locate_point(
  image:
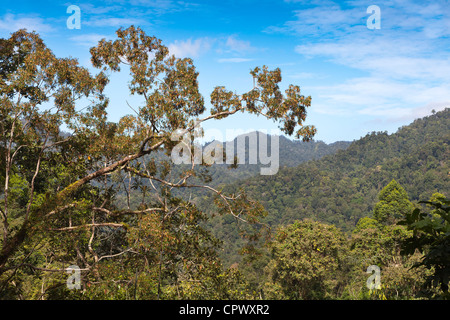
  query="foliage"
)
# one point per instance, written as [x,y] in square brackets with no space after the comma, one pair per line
[373,243]
[393,203]
[95,197]
[306,261]
[105,196]
[431,235]
[342,188]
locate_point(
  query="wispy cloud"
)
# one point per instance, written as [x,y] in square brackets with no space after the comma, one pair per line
[390,56]
[114,22]
[156,7]
[88,39]
[190,48]
[238,46]
[381,98]
[332,19]
[406,63]
[89,8]
[322,21]
[234,60]
[122,13]
[406,114]
[11,23]
[305,75]
[235,49]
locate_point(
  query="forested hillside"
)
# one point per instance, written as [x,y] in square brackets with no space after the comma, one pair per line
[342,188]
[291,153]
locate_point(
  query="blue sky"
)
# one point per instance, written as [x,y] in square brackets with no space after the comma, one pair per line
[360,79]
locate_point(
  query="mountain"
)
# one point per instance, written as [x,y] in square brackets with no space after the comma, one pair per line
[291,153]
[343,187]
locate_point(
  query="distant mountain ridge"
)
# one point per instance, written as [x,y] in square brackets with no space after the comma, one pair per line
[343,187]
[417,156]
[291,153]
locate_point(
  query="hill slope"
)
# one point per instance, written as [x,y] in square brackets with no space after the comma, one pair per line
[343,187]
[291,154]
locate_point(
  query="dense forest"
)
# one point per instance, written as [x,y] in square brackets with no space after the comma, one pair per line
[101,212]
[342,188]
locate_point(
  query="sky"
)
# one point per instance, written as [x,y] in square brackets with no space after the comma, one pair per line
[368,65]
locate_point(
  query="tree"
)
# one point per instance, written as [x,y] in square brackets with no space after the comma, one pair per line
[70,213]
[393,203]
[34,153]
[306,263]
[373,243]
[431,236]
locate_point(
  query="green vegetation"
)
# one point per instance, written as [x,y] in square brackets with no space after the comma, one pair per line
[342,188]
[431,236]
[106,198]
[306,262]
[393,203]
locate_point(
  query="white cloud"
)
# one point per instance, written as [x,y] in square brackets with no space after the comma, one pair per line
[234,60]
[305,75]
[381,98]
[406,114]
[91,9]
[405,64]
[229,45]
[157,7]
[331,19]
[393,58]
[240,46]
[323,21]
[190,48]
[88,39]
[12,23]
[114,22]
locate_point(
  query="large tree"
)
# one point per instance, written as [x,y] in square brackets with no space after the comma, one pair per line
[59,196]
[393,203]
[375,244]
[307,261]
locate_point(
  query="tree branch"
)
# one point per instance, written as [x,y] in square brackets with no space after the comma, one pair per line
[124,212]
[74,186]
[105,224]
[184,185]
[117,254]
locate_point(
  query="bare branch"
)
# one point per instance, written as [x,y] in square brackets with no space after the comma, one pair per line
[184,185]
[116,165]
[59,209]
[56,143]
[117,254]
[131,108]
[124,212]
[38,164]
[90,225]
[41,269]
